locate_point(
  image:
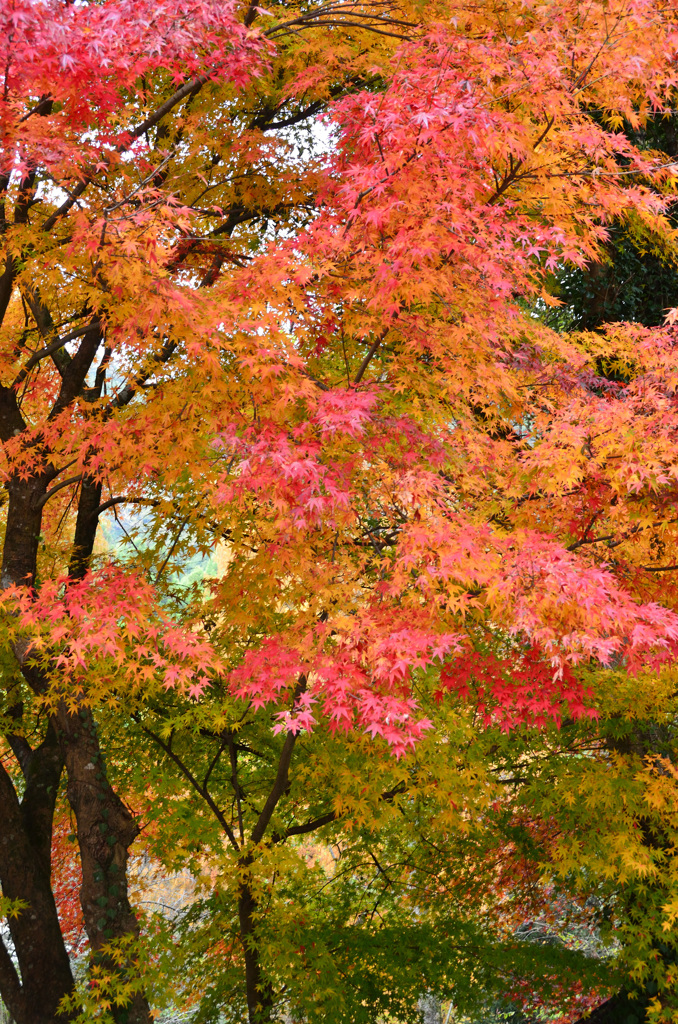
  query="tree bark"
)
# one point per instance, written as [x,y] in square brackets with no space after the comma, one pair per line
[106,829]
[32,995]
[258,990]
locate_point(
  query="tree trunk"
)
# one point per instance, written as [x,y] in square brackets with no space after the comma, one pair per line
[259,992]
[25,845]
[106,829]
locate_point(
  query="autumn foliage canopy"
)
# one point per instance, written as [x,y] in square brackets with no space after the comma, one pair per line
[273,302]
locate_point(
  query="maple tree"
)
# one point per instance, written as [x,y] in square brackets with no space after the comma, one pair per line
[313,348]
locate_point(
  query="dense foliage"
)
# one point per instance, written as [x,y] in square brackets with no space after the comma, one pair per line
[377,650]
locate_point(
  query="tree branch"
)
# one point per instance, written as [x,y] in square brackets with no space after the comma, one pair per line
[281,778]
[121,500]
[309,826]
[277,790]
[233,753]
[125,396]
[177,97]
[57,487]
[368,358]
[327,819]
[186,772]
[48,350]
